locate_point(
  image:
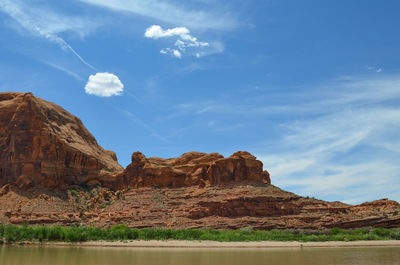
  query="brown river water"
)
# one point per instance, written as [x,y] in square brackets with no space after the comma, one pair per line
[35,255]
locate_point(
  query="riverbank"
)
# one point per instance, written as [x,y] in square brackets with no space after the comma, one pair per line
[215,244]
[121,233]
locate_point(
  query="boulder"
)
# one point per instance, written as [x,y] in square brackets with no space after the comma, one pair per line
[5,189]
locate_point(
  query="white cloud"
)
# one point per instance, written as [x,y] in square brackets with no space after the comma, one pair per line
[156,32]
[185,39]
[346,151]
[321,99]
[104,85]
[46,23]
[183,42]
[172,52]
[177,54]
[212,18]
[336,141]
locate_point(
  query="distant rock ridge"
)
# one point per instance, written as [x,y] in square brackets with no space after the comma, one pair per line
[190,169]
[41,144]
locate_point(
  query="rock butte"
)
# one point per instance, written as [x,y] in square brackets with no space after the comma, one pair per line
[190,169]
[52,171]
[42,144]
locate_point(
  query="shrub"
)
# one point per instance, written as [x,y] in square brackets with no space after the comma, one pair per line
[55,233]
[246,230]
[336,231]
[13,233]
[382,232]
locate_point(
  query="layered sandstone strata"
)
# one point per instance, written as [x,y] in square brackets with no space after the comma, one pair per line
[44,147]
[228,206]
[42,144]
[190,169]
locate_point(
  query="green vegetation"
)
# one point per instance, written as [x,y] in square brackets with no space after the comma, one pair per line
[14,233]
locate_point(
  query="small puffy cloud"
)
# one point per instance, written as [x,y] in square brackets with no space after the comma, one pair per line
[104,85]
[156,32]
[172,52]
[184,41]
[177,54]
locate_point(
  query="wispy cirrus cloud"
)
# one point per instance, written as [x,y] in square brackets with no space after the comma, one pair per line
[337,140]
[174,13]
[64,70]
[342,147]
[374,68]
[333,154]
[41,21]
[134,118]
[184,41]
[331,96]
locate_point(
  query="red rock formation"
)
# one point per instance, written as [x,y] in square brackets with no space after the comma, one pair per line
[42,144]
[228,206]
[190,169]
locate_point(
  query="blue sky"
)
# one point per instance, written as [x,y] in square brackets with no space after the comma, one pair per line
[312,88]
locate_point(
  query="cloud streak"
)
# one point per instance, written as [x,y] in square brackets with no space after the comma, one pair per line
[345,151]
[62,69]
[169,12]
[139,122]
[46,23]
[320,99]
[336,140]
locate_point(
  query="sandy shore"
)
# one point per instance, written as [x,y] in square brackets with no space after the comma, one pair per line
[214,244]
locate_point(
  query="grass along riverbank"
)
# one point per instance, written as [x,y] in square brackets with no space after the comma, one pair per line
[14,233]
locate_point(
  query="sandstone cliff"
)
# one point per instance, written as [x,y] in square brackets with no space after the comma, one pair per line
[52,171]
[42,144]
[228,206]
[190,169]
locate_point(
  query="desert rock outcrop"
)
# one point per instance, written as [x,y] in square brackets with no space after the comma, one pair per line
[72,180]
[190,169]
[42,144]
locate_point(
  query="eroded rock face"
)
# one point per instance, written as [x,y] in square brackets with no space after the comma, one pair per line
[190,169]
[44,147]
[227,206]
[42,144]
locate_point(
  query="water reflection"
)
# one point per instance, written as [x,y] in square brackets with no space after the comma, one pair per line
[21,255]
